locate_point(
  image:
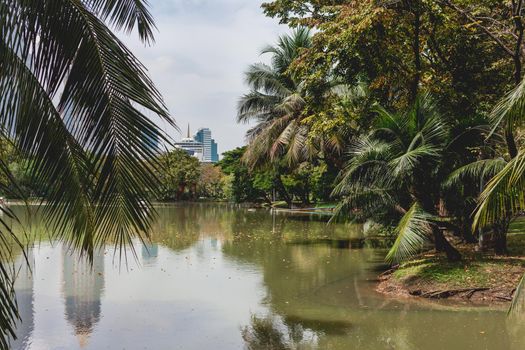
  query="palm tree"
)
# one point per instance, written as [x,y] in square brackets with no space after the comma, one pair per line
[394,172]
[275,103]
[504,195]
[73,101]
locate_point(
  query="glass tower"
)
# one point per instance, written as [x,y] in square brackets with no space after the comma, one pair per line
[203,136]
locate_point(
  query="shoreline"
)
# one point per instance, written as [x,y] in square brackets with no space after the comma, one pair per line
[485,281]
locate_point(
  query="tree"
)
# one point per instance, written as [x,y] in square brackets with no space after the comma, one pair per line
[242,188]
[210,181]
[395,171]
[276,102]
[73,102]
[181,172]
[402,47]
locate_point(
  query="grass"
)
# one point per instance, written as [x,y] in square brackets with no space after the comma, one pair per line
[475,270]
[482,273]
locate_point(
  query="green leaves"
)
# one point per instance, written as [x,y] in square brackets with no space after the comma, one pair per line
[74,102]
[510,109]
[412,232]
[504,195]
[276,102]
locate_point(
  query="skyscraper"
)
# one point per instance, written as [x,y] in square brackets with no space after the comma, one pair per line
[203,136]
[201,146]
[214,151]
[191,146]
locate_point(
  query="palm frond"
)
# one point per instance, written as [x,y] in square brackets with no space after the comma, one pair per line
[518,299]
[510,109]
[406,162]
[412,233]
[256,106]
[261,77]
[504,195]
[126,15]
[480,170]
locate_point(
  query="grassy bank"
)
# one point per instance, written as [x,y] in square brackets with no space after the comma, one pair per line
[479,277]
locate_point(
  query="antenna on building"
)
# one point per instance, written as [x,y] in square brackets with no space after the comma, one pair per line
[188,130]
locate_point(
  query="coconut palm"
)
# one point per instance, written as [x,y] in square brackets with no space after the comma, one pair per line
[275,103]
[504,194]
[73,101]
[394,172]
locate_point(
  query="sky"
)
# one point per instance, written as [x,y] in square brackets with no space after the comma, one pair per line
[201,49]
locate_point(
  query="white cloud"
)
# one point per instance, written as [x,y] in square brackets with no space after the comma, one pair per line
[202,47]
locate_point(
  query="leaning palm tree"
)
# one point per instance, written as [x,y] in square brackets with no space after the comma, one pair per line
[73,100]
[275,103]
[393,172]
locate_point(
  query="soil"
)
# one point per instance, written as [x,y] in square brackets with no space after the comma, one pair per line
[477,279]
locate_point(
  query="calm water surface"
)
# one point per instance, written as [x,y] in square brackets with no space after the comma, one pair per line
[219,277]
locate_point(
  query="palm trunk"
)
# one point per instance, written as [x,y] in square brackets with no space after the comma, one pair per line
[500,238]
[282,190]
[443,245]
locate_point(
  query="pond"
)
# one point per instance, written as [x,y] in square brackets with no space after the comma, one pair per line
[221,277]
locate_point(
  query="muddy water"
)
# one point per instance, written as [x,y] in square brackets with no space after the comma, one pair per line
[220,277]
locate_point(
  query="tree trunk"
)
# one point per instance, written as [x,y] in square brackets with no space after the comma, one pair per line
[500,245]
[443,245]
[500,238]
[282,190]
[416,50]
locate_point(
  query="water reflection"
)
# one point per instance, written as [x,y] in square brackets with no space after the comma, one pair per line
[219,277]
[24,285]
[83,288]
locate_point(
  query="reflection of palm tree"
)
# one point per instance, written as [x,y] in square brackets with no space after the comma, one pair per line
[83,286]
[268,333]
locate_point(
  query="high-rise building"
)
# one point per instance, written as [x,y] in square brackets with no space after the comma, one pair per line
[214,151]
[203,136]
[201,146]
[191,146]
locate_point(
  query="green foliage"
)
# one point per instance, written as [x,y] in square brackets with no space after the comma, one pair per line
[74,104]
[241,187]
[181,175]
[211,180]
[413,231]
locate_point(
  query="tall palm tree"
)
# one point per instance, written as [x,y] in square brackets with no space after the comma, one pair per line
[275,103]
[394,171]
[73,100]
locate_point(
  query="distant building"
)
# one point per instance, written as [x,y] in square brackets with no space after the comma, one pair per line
[214,151]
[191,146]
[203,136]
[201,146]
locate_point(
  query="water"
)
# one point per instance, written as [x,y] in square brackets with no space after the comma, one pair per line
[216,277]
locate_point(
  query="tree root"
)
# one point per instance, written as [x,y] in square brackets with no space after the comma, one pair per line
[442,294]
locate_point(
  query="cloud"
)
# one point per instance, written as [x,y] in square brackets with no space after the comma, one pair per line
[201,49]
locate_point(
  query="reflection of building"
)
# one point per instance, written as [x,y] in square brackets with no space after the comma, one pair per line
[83,286]
[150,252]
[24,299]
